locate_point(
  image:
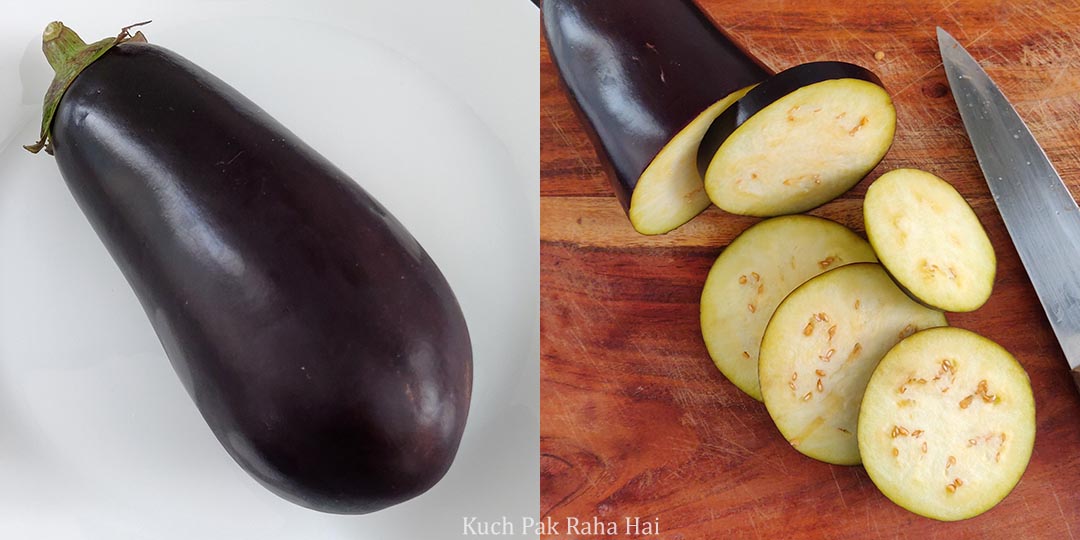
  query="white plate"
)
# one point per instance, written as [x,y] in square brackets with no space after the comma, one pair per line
[431,105]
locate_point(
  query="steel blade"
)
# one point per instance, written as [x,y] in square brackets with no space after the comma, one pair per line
[1039,212]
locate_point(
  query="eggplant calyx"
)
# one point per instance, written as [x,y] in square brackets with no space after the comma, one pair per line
[69,55]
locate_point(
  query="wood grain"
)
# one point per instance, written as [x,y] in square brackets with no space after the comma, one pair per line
[635,419]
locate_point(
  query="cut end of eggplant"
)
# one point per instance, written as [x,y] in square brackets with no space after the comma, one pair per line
[798,140]
[947,424]
[671,191]
[755,273]
[820,348]
[645,78]
[930,240]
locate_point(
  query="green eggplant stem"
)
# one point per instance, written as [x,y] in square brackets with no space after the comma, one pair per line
[69,55]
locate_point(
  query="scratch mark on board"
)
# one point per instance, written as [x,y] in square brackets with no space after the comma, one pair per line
[832,471]
[566,141]
[852,35]
[980,36]
[916,80]
[1061,511]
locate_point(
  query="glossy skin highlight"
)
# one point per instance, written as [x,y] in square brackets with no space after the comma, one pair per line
[318,339]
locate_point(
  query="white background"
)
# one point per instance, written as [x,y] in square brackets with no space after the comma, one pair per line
[432,105]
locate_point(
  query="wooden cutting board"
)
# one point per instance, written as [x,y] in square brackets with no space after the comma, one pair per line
[636,421]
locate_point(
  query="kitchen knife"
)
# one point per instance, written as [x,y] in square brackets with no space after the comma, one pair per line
[1041,216]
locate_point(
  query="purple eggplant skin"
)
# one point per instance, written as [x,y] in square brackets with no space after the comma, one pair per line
[638,71]
[767,93]
[318,339]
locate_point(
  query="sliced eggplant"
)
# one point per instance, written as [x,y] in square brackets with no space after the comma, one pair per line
[647,78]
[819,349]
[754,274]
[930,240]
[947,424]
[797,140]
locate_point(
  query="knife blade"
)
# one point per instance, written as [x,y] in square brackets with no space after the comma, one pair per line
[1039,212]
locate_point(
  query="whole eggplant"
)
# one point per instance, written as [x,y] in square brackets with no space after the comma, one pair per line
[318,339]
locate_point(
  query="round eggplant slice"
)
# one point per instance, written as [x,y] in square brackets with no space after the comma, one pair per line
[644,76]
[754,274]
[820,348]
[930,240]
[947,424]
[797,140]
[670,191]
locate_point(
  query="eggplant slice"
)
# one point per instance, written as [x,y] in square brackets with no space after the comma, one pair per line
[797,140]
[947,424]
[646,79]
[819,349]
[754,274]
[930,240]
[670,192]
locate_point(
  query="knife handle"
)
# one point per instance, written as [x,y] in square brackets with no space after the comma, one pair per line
[1076,376]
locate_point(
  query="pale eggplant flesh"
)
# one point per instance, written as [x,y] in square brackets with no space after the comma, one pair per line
[930,240]
[947,424]
[755,273]
[797,140]
[821,347]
